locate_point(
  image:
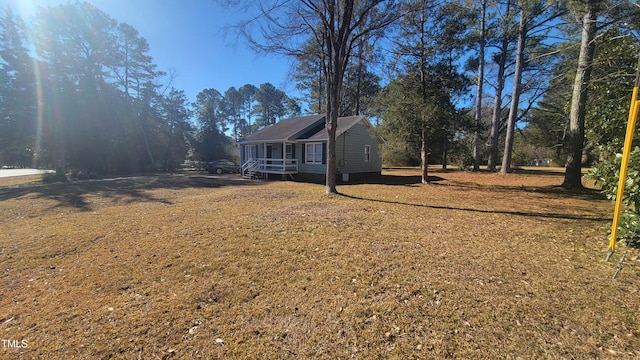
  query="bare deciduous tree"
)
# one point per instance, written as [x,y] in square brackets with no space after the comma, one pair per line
[337,26]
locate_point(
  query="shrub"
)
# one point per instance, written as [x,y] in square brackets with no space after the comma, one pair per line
[394,154]
[53,177]
[606,173]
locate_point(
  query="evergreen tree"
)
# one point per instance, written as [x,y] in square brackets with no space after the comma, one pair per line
[505,31]
[430,38]
[418,117]
[595,17]
[75,41]
[536,20]
[361,86]
[18,100]
[209,111]
[271,104]
[176,113]
[310,77]
[247,94]
[232,111]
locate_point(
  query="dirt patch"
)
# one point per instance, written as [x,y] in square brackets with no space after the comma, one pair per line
[470,266]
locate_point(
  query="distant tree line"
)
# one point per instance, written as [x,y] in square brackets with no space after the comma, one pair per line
[552,79]
[223,119]
[467,82]
[89,99]
[79,91]
[495,82]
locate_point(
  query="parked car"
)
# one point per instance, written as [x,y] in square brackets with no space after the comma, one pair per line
[222,166]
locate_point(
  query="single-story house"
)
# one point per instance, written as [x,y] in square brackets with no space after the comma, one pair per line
[296,148]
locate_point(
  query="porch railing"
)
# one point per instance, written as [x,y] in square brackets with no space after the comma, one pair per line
[274,166]
[250,167]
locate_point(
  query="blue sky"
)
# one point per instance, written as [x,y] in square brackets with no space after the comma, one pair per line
[188,37]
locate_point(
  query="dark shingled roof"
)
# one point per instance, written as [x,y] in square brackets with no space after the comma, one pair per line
[344,124]
[310,128]
[284,130]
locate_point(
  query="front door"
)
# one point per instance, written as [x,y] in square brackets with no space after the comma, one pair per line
[269,153]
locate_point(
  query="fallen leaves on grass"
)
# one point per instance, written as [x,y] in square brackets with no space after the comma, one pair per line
[470,266]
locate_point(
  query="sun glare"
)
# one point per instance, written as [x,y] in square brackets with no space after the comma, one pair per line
[25,10]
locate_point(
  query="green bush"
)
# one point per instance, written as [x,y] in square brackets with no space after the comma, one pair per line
[606,173]
[399,155]
[53,177]
[464,162]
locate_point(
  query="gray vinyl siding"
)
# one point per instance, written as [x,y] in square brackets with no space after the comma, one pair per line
[260,152]
[350,151]
[308,168]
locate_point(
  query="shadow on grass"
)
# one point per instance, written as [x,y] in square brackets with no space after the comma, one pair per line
[123,189]
[538,171]
[393,180]
[558,190]
[555,190]
[505,212]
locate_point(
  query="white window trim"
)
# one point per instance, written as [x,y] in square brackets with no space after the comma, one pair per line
[250,152]
[288,149]
[313,158]
[367,153]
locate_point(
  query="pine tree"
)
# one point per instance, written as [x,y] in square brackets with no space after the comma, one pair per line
[18,106]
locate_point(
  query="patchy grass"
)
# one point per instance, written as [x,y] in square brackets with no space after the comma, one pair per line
[20,180]
[470,266]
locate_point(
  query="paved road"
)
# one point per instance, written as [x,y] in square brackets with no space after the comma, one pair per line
[21,172]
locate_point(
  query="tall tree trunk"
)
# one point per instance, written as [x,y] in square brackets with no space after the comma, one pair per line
[139,116]
[60,159]
[321,86]
[168,150]
[331,121]
[59,115]
[575,138]
[359,75]
[497,104]
[146,141]
[424,153]
[331,125]
[445,154]
[478,117]
[337,34]
[424,148]
[515,98]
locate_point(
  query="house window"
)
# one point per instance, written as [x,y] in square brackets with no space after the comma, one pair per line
[250,152]
[314,153]
[367,153]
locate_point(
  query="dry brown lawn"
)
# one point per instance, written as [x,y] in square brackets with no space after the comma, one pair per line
[471,266]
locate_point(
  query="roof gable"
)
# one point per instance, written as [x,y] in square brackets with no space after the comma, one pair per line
[309,128]
[344,124]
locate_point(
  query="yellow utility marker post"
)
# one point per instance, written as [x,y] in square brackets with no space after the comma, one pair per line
[626,151]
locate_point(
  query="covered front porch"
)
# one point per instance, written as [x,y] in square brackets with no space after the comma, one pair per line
[260,160]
